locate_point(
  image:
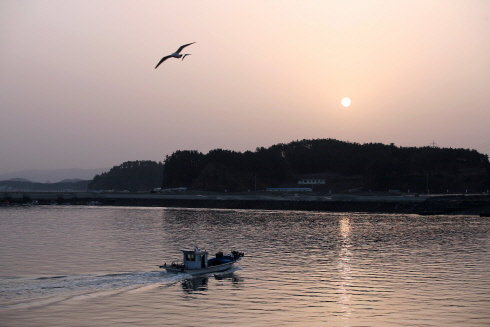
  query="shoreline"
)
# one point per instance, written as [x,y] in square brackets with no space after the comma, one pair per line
[403,204]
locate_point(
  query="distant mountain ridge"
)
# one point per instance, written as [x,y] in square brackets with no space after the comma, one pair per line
[18,180]
[14,185]
[54,175]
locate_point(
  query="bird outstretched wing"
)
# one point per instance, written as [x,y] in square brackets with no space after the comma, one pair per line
[187,54]
[162,60]
[175,54]
[182,47]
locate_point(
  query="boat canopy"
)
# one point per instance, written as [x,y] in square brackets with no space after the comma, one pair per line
[195,259]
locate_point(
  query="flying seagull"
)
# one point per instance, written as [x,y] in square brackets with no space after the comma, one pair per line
[176,54]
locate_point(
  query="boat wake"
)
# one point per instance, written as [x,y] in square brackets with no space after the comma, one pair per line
[20,292]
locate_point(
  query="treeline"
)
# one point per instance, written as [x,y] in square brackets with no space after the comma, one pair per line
[376,166]
[131,176]
[344,165]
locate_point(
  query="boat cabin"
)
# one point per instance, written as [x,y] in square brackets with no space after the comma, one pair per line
[195,259]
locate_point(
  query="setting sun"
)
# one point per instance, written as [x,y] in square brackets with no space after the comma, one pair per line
[346,102]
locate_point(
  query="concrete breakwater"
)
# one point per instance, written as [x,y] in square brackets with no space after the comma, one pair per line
[328,203]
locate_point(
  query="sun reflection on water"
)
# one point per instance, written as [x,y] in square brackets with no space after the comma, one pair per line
[344,268]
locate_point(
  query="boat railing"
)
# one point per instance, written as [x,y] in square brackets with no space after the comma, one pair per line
[173,265]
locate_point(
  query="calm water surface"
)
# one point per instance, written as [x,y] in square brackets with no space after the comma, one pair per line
[96,266]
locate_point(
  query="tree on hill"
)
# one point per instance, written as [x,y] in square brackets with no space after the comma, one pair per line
[221,170]
[182,168]
[131,175]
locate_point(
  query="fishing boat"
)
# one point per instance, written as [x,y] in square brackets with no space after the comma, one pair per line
[197,262]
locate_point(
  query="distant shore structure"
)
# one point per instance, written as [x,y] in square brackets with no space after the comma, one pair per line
[312,181]
[289,189]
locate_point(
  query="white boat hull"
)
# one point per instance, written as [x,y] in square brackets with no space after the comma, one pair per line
[200,271]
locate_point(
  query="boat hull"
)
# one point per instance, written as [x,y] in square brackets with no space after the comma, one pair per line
[200,271]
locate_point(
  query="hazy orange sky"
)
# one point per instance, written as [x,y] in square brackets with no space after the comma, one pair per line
[78,86]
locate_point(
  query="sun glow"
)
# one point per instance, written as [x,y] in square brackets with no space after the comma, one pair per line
[346,102]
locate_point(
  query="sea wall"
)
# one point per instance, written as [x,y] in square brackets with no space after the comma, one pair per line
[335,203]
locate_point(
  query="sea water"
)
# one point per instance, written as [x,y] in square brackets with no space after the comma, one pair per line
[97,266]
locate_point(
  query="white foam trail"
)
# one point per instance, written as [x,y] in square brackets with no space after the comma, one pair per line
[42,291]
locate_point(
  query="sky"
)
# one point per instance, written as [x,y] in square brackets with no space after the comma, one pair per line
[78,88]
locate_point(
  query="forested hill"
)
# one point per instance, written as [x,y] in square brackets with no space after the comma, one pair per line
[344,165]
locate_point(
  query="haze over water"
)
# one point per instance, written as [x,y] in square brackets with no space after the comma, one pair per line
[96,266]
